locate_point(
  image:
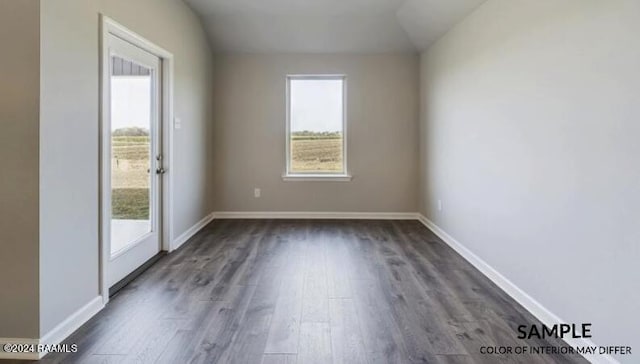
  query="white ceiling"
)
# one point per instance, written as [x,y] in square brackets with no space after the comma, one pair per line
[328,26]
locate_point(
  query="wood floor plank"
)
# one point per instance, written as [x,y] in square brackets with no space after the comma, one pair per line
[455,359]
[252,334]
[105,359]
[338,260]
[178,348]
[150,344]
[284,329]
[347,344]
[475,335]
[216,338]
[279,359]
[408,305]
[122,340]
[382,334]
[243,251]
[315,343]
[315,294]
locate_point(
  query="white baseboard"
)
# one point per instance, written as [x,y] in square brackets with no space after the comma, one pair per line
[73,322]
[177,242]
[316,215]
[536,308]
[58,334]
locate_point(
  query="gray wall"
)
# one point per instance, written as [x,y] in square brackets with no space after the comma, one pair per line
[249,137]
[19,89]
[529,132]
[69,136]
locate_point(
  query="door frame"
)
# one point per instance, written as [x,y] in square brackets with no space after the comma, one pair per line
[110,27]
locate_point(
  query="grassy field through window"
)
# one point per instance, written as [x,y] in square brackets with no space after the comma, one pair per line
[130,176]
[316,152]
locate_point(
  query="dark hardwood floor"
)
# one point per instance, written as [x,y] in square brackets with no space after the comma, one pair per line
[285,291]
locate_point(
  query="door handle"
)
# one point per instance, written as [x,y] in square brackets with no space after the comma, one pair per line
[161,170]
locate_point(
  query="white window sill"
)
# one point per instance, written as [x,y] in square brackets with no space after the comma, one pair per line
[317,178]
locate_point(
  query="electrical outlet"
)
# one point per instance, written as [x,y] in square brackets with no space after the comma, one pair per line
[177,123]
[257,193]
[439,205]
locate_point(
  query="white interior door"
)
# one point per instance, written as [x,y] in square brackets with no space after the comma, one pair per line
[132,158]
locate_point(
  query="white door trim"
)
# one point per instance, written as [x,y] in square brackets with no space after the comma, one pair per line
[110,27]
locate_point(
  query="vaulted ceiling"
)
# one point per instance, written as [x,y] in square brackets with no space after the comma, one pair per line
[328,26]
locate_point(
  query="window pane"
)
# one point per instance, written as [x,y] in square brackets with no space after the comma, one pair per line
[316,115]
[131,95]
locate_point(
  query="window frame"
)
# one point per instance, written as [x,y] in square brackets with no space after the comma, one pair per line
[342,176]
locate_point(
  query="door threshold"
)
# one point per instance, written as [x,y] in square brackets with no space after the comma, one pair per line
[113,290]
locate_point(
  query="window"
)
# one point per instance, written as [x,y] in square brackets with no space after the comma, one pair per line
[316,127]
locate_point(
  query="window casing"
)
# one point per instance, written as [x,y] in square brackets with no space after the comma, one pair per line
[316,128]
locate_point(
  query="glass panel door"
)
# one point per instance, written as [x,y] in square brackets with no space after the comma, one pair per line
[131,155]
